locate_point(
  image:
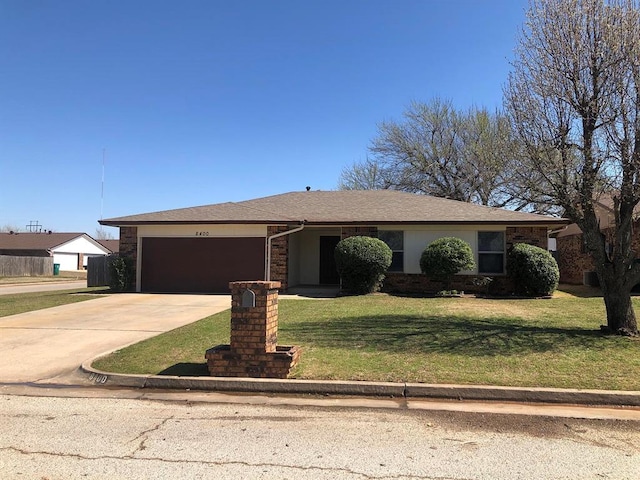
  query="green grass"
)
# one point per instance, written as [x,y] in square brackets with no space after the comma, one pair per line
[65,275]
[547,343]
[25,302]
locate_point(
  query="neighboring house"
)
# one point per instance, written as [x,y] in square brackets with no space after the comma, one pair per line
[112,245]
[291,238]
[69,250]
[576,264]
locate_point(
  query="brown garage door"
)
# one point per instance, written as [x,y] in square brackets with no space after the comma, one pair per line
[200,264]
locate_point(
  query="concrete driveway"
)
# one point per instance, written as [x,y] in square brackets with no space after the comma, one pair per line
[46,344]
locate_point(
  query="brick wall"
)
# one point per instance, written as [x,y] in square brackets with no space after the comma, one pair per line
[365,231]
[532,235]
[279,255]
[129,242]
[419,283]
[573,259]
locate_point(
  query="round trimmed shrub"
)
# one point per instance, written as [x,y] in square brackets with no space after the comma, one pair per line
[534,271]
[362,263]
[445,257]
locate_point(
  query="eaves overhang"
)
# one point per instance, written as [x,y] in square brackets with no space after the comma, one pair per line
[324,223]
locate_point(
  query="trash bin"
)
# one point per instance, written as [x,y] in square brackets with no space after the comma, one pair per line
[56,269]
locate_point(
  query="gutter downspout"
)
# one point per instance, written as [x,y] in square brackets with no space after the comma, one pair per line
[267,269]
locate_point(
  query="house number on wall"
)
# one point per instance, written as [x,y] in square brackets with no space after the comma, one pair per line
[202,234]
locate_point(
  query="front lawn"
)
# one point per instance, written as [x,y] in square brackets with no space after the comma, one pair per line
[546,343]
[65,275]
[13,304]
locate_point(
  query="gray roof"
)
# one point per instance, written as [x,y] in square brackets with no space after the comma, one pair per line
[344,207]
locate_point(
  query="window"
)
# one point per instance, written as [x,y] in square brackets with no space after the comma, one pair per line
[395,240]
[490,253]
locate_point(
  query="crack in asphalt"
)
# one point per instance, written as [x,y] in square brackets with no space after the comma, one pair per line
[223,463]
[141,446]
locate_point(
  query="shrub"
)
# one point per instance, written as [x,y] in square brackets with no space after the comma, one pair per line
[533,270]
[361,263]
[121,274]
[445,257]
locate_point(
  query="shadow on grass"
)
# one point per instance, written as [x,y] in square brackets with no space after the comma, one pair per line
[186,370]
[439,334]
[581,291]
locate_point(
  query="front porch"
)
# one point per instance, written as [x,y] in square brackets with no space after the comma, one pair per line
[306,258]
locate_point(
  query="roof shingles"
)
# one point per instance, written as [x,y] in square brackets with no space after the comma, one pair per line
[35,241]
[340,207]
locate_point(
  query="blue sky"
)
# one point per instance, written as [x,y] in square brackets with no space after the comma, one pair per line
[199,102]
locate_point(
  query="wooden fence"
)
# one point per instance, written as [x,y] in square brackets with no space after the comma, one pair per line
[12,266]
[98,271]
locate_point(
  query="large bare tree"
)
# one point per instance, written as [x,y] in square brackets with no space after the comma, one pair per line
[574,98]
[439,150]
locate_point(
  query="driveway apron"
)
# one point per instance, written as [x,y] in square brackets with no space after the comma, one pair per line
[45,344]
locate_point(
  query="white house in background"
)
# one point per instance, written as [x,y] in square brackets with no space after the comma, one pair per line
[70,250]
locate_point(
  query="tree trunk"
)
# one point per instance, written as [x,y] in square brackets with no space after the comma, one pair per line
[621,318]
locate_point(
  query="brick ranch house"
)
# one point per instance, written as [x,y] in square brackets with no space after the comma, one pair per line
[291,238]
[576,265]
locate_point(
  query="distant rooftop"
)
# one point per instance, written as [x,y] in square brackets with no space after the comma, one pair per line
[112,245]
[35,241]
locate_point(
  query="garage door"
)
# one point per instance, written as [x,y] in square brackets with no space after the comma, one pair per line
[67,261]
[200,264]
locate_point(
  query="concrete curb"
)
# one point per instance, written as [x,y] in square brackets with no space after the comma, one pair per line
[524,394]
[367,389]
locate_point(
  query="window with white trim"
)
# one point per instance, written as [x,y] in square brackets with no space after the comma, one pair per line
[491,253]
[395,240]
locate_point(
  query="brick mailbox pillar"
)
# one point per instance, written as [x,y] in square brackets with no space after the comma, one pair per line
[253,351]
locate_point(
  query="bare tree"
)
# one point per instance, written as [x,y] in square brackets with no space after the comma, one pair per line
[489,152]
[574,99]
[103,234]
[9,228]
[365,175]
[438,150]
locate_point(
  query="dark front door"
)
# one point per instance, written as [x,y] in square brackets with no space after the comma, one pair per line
[328,272]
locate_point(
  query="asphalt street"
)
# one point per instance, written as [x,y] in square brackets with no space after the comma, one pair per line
[41,287]
[100,438]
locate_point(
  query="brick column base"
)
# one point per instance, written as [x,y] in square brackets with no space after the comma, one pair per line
[253,351]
